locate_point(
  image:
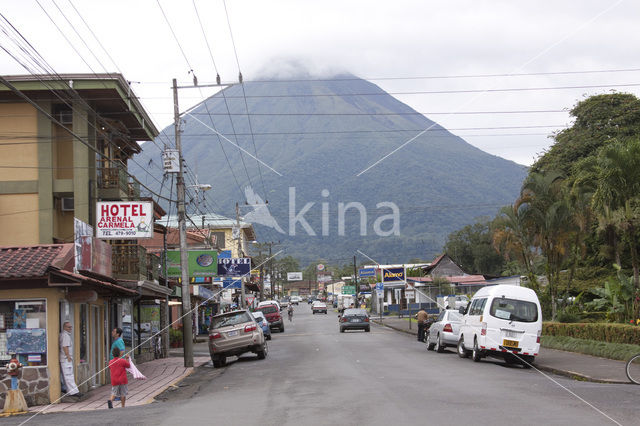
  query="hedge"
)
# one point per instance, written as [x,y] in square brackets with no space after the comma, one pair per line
[602,332]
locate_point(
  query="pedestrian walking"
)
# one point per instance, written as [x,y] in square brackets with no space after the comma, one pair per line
[116,333]
[66,359]
[119,382]
[422,316]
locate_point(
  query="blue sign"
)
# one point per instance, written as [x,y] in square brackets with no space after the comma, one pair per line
[224,254]
[367,272]
[205,293]
[379,286]
[392,274]
[234,267]
[231,283]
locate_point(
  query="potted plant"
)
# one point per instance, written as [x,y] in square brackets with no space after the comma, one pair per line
[175,338]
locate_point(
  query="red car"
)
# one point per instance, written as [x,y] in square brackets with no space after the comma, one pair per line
[272,313]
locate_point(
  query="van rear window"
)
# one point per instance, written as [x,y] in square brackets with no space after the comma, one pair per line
[514,310]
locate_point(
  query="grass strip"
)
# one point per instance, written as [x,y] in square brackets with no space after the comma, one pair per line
[619,351]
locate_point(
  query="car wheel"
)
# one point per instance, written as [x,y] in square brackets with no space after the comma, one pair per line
[527,361]
[439,347]
[268,337]
[282,328]
[262,353]
[462,352]
[476,355]
[341,330]
[368,329]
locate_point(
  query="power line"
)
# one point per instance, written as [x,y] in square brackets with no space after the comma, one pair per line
[244,96]
[201,96]
[355,78]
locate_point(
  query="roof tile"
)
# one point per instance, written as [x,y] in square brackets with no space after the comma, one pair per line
[31,261]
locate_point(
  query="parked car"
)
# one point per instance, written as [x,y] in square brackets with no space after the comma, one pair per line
[235,333]
[445,331]
[272,313]
[319,307]
[284,303]
[264,323]
[295,300]
[355,319]
[502,321]
[270,302]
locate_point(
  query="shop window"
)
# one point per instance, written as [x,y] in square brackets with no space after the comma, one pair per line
[23,331]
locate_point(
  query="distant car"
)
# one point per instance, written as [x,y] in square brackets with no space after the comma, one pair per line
[272,313]
[355,319]
[319,307]
[264,323]
[445,331]
[235,333]
[295,300]
[284,303]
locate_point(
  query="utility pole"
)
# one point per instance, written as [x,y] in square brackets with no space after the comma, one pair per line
[355,279]
[242,304]
[187,329]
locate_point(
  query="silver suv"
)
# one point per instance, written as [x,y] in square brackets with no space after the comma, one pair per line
[234,333]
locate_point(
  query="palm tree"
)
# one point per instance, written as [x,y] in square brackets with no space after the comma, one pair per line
[548,217]
[510,237]
[618,189]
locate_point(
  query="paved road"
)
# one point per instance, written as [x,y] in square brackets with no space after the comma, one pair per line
[316,375]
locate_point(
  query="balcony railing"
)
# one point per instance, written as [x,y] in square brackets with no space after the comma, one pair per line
[134,189]
[131,261]
[113,176]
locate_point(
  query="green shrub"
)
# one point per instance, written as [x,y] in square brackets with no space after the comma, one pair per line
[601,332]
[617,351]
[175,336]
[567,316]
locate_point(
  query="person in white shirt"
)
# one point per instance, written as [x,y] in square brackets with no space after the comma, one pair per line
[66,359]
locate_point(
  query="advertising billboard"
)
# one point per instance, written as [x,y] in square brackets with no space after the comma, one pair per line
[392,274]
[294,276]
[201,263]
[124,220]
[234,267]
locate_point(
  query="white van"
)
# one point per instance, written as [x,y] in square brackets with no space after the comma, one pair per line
[503,321]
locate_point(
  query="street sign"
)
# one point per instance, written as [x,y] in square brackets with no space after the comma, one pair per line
[410,294]
[367,272]
[234,267]
[320,267]
[380,294]
[349,289]
[379,286]
[294,276]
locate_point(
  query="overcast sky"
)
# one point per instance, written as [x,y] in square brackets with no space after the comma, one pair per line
[388,40]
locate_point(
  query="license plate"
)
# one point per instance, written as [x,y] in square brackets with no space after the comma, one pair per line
[232,333]
[509,343]
[354,320]
[511,334]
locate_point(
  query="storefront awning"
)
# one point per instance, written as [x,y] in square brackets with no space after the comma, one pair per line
[147,289]
[62,278]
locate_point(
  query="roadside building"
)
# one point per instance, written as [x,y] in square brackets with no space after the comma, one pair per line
[69,140]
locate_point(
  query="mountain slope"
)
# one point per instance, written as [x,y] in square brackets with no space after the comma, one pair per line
[319,136]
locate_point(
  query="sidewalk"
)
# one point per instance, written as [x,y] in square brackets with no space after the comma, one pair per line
[574,365]
[160,373]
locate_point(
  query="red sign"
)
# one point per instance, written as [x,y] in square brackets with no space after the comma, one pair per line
[96,256]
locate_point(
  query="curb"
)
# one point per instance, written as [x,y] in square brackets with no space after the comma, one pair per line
[566,373]
[396,328]
[578,376]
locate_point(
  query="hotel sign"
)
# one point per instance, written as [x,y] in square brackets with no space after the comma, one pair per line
[124,220]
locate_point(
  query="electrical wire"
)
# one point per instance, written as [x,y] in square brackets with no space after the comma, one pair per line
[244,96]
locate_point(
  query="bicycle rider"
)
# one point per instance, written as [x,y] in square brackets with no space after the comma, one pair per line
[290,312]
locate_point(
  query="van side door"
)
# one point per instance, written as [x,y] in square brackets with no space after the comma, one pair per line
[473,321]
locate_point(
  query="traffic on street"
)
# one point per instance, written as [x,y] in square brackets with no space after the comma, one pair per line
[316,374]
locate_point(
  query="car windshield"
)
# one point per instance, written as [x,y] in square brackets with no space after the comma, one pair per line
[270,309]
[454,316]
[514,310]
[233,318]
